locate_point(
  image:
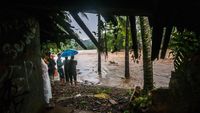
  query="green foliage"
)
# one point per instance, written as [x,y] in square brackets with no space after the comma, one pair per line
[111,42]
[126,111]
[58,47]
[83,104]
[183,45]
[142,102]
[104,90]
[116,42]
[129,92]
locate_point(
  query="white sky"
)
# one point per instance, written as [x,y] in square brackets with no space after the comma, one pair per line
[91,23]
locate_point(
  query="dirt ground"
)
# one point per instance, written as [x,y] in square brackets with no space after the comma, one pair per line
[81,99]
[113,70]
[91,98]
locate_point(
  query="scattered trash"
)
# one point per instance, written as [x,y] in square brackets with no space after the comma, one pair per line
[113,102]
[92,98]
[78,95]
[102,96]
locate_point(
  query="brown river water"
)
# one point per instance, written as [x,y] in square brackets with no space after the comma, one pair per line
[113,70]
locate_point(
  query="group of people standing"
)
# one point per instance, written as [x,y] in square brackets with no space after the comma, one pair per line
[69,71]
[48,70]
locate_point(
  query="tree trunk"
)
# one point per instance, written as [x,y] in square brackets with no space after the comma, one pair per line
[106,46]
[99,41]
[147,63]
[127,74]
[21,89]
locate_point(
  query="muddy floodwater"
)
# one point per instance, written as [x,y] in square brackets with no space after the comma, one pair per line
[113,70]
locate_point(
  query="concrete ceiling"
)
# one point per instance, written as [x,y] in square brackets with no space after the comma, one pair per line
[167,12]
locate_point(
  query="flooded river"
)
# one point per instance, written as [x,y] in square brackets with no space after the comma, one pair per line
[113,70]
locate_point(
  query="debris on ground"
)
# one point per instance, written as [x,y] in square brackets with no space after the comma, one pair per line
[97,99]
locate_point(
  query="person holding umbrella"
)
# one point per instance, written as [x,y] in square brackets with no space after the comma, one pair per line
[72,71]
[66,69]
[60,69]
[70,65]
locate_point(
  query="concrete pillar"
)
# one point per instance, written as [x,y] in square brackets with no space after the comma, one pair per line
[20,66]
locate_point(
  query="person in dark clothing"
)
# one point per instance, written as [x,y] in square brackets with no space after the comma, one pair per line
[72,70]
[51,64]
[66,69]
[51,67]
[60,69]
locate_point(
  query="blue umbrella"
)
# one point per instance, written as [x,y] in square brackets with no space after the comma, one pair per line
[69,52]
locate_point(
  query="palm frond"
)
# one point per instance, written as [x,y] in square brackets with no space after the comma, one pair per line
[110,18]
[183,44]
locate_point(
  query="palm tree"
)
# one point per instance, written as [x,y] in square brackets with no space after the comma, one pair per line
[147,63]
[105,44]
[127,74]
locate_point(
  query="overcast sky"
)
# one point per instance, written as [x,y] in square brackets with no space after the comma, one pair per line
[91,23]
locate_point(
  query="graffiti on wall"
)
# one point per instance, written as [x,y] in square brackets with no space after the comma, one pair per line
[14,86]
[16,72]
[18,47]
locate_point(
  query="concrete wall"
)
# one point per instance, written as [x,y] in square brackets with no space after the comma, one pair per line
[184,87]
[20,67]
